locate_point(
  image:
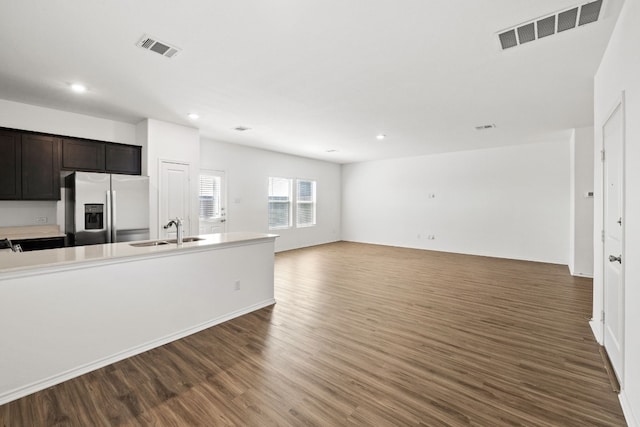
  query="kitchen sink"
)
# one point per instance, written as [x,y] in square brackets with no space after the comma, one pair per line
[153,243]
[165,242]
[185,240]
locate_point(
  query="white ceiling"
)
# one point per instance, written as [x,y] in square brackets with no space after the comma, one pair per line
[311,76]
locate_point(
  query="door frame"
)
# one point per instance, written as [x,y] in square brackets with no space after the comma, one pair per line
[619,105]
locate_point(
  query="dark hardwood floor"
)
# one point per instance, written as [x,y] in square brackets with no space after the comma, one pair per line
[366,335]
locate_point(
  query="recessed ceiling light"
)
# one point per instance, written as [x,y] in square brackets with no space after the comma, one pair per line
[241,128]
[332,151]
[78,87]
[381,136]
[193,116]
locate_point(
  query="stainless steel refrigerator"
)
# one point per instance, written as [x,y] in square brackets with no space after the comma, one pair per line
[106,208]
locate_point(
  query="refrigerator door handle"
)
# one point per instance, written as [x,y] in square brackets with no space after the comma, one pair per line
[108,215]
[114,228]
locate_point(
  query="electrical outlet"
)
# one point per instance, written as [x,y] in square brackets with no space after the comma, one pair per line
[41,220]
[237,285]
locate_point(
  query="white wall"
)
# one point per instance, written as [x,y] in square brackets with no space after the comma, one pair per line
[620,71]
[510,202]
[172,142]
[25,212]
[39,119]
[581,216]
[247,172]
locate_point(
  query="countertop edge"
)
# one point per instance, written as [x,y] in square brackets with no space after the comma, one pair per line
[144,253]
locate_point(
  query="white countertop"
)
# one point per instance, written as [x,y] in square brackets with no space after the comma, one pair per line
[30,232]
[115,252]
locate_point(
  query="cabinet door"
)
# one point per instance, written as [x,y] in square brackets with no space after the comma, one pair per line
[10,166]
[120,158]
[40,167]
[38,244]
[83,155]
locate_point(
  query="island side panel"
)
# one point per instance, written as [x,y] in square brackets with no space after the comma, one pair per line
[60,325]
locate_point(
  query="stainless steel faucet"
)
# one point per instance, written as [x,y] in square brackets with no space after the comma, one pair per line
[179,234]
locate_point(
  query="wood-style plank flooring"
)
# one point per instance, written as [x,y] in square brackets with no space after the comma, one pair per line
[366,335]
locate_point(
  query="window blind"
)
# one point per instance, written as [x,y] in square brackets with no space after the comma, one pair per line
[279,203]
[306,203]
[209,195]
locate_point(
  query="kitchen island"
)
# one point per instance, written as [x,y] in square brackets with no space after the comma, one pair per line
[65,312]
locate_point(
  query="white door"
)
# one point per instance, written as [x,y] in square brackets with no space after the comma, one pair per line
[213,202]
[174,197]
[613,192]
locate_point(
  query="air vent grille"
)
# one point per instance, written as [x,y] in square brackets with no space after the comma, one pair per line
[508,39]
[567,20]
[549,25]
[154,45]
[590,12]
[526,33]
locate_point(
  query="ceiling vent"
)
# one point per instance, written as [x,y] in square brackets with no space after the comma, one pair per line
[551,24]
[153,44]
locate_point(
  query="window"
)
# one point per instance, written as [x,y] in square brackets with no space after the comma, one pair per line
[282,201]
[279,203]
[306,203]
[209,196]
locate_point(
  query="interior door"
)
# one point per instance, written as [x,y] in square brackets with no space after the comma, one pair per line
[213,202]
[174,197]
[613,192]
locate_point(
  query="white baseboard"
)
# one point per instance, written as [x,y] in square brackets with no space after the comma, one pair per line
[596,329]
[101,363]
[632,421]
[629,416]
[578,274]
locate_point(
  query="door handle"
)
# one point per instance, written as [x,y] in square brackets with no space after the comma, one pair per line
[613,258]
[108,215]
[114,229]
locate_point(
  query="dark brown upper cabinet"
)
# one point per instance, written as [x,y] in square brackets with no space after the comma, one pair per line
[10,165]
[83,155]
[40,167]
[125,159]
[98,156]
[29,166]
[30,162]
